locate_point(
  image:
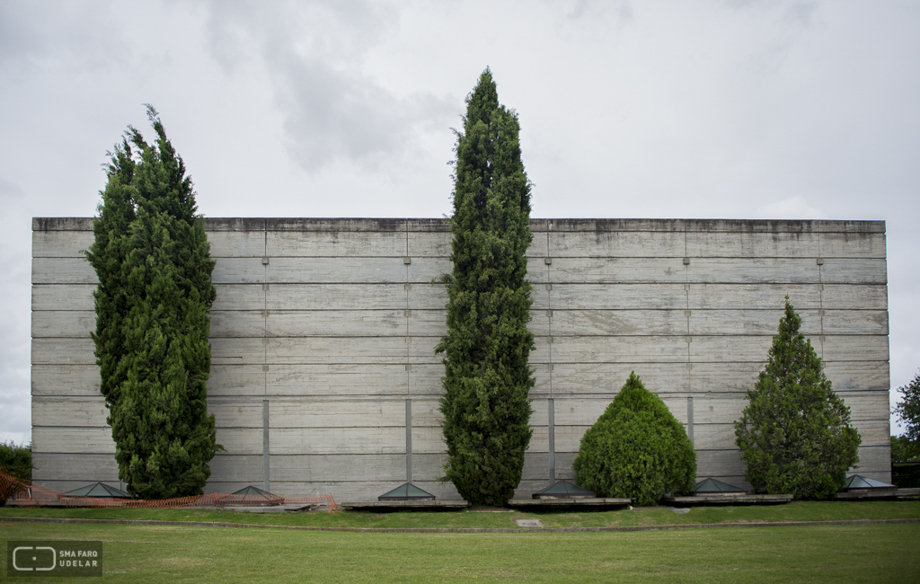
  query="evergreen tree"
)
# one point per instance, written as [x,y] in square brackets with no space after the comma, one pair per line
[153,262]
[636,449]
[487,378]
[795,434]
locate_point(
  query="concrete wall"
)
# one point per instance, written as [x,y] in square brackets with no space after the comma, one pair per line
[326,328]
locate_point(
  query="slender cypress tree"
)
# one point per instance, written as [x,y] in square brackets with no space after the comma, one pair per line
[485,408]
[153,262]
[795,434]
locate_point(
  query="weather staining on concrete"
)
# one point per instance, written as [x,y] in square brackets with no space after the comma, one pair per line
[321,332]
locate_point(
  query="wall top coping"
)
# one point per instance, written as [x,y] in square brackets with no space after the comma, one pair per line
[536,225]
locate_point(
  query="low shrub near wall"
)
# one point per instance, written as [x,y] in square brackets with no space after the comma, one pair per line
[636,449]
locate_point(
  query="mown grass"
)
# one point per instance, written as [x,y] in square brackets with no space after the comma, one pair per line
[796,511]
[178,553]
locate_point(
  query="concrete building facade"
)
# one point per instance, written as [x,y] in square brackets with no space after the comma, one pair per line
[324,378]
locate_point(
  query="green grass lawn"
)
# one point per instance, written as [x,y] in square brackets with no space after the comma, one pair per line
[177,553]
[797,511]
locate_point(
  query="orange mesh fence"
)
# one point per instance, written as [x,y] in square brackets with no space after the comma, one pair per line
[22,493]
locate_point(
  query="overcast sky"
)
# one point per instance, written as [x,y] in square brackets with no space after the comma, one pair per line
[685,108]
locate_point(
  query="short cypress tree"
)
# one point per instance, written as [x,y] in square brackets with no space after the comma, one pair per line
[795,434]
[153,262]
[636,449]
[487,378]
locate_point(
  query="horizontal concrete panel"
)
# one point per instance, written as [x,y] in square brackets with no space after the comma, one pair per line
[786,245]
[74,411]
[854,375]
[748,244]
[853,245]
[63,440]
[713,436]
[61,244]
[62,223]
[63,323]
[87,468]
[435,244]
[238,323]
[625,244]
[612,322]
[325,270]
[368,440]
[722,436]
[311,413]
[63,297]
[853,297]
[719,463]
[852,348]
[608,378]
[763,322]
[708,225]
[732,377]
[575,411]
[62,271]
[855,322]
[65,380]
[427,440]
[570,296]
[873,432]
[337,323]
[874,458]
[311,244]
[50,351]
[749,296]
[355,467]
[589,270]
[306,350]
[330,379]
[236,244]
[338,270]
[231,297]
[567,438]
[867,405]
[709,271]
[855,271]
[235,270]
[756,348]
[629,349]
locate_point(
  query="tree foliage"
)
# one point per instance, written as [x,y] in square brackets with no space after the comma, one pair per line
[152,260]
[487,377]
[636,449]
[908,409]
[795,434]
[15,461]
[903,450]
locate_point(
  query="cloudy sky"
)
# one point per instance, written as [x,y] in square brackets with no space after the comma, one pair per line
[694,108]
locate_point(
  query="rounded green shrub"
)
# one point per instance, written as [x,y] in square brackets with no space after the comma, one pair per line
[636,449]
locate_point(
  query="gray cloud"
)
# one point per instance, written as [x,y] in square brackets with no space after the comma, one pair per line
[35,34]
[332,109]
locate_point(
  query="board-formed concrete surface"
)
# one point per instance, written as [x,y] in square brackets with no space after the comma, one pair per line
[323,336]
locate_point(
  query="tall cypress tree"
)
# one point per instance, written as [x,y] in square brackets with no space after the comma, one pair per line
[485,408]
[153,262]
[795,434]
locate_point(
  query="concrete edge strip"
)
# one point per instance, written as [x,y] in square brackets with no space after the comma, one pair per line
[627,528]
